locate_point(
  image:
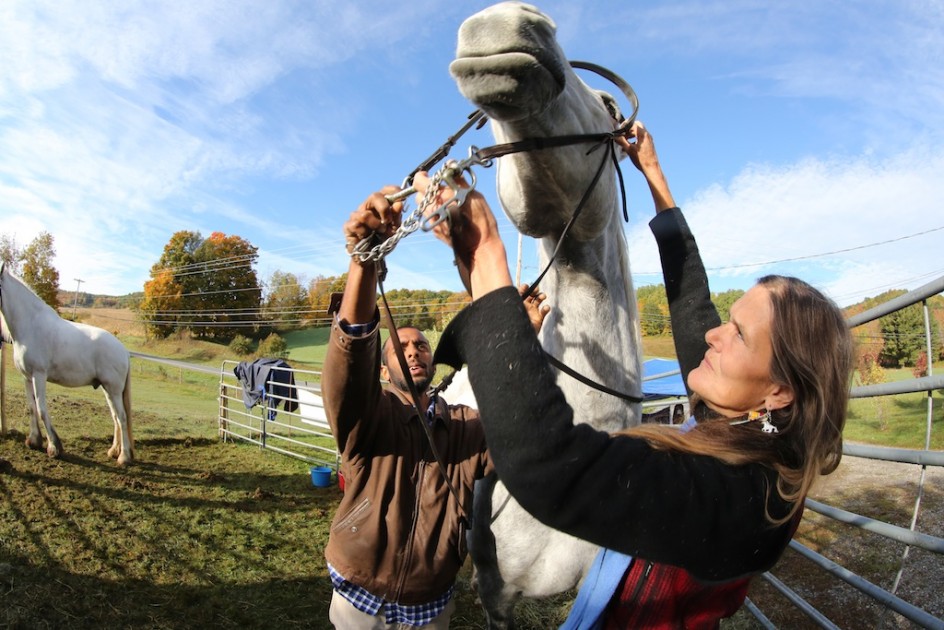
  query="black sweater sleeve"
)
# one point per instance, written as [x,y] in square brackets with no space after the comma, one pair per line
[615,491]
[686,286]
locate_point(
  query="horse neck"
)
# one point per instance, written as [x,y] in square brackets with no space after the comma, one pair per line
[21,308]
[593,326]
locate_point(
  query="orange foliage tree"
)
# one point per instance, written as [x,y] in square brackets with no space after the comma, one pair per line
[208,286]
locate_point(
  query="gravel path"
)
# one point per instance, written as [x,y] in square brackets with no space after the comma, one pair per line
[886,491]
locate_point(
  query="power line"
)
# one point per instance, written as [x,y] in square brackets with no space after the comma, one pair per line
[824,254]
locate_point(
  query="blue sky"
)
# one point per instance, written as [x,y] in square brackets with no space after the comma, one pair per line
[800,137]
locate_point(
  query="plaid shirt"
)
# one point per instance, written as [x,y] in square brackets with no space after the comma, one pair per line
[413,615]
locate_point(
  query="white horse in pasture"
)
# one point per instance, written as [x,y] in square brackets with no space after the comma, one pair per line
[49,348]
[509,64]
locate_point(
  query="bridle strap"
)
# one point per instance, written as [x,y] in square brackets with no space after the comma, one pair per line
[616,80]
[563,367]
[476,118]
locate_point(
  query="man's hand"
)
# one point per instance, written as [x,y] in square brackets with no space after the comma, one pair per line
[537,310]
[376,216]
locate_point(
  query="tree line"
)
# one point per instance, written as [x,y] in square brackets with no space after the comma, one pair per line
[209,288]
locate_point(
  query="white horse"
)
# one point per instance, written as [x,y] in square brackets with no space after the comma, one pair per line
[508,63]
[49,348]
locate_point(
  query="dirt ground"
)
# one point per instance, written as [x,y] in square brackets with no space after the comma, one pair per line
[887,491]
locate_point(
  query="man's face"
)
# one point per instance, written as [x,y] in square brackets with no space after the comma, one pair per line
[419,359]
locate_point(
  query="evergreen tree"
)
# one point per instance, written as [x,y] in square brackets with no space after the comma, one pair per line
[903,335]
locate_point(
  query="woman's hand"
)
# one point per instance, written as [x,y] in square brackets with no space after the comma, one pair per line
[643,155]
[472,232]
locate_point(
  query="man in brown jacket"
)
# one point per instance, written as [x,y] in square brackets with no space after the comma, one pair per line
[397,541]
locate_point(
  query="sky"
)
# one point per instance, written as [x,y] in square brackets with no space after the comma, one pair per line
[799,137]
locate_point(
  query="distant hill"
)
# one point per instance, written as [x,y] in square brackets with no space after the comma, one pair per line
[67,299]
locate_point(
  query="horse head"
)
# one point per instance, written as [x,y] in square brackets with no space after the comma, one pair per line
[509,64]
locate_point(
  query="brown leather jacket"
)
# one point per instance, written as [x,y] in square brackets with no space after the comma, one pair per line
[397,532]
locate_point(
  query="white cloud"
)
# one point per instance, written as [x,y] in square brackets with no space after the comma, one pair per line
[774,213]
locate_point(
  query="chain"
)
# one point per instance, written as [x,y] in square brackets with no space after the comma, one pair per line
[368,250]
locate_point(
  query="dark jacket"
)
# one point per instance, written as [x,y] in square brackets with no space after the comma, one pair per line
[397,531]
[689,511]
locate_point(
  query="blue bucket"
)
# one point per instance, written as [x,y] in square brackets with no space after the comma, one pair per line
[321,476]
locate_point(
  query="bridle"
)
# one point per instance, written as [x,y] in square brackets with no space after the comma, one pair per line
[371,250]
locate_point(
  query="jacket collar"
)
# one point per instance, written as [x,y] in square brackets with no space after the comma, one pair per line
[441,411]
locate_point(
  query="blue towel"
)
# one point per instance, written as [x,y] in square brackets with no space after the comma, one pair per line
[598,587]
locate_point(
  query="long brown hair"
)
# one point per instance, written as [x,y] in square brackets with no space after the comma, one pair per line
[812,355]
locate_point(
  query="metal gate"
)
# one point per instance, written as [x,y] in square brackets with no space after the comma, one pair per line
[302,433]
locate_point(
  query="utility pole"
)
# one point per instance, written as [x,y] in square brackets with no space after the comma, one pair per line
[518,265]
[78,283]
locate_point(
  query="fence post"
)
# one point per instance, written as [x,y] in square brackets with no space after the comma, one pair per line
[224,412]
[3,389]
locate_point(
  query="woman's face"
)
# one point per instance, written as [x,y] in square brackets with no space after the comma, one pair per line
[734,377]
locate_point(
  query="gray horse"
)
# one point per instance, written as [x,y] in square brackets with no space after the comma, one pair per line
[509,64]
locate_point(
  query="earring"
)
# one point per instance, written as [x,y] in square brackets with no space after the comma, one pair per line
[766,425]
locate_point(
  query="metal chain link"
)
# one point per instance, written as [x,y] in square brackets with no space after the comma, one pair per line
[367,251]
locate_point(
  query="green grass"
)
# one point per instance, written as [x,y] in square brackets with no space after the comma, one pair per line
[900,420]
[196,534]
[307,345]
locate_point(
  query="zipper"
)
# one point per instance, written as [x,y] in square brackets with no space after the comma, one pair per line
[408,554]
[642,581]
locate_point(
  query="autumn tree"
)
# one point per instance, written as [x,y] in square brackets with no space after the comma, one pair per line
[870,372]
[160,307]
[173,278]
[286,299]
[422,308]
[653,308]
[319,294]
[206,285]
[231,293]
[37,271]
[653,320]
[10,254]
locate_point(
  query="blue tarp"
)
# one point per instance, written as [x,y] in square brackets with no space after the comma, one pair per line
[665,386]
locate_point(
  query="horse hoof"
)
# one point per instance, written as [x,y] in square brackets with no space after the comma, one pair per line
[53,452]
[114,452]
[34,445]
[124,461]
